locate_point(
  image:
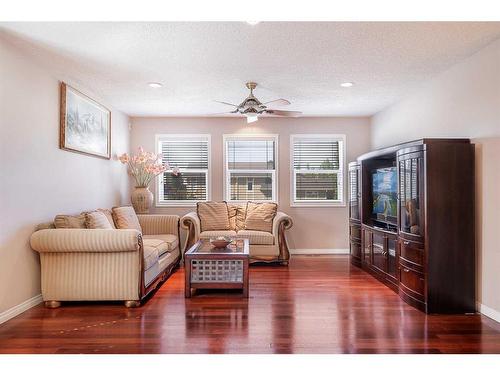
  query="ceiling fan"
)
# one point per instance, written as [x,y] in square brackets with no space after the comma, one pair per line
[251,107]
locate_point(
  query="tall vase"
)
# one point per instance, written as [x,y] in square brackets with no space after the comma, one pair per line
[142,200]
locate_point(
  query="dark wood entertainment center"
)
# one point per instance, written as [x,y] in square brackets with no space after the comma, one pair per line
[413,228]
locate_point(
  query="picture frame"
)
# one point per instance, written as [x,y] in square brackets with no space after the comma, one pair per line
[85,124]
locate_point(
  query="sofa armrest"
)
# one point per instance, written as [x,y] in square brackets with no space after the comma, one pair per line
[86,240]
[281,219]
[159,224]
[191,223]
[281,223]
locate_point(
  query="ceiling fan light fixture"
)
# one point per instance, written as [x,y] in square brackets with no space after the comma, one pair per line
[155,85]
[251,117]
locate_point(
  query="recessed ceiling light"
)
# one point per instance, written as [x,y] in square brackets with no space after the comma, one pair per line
[347,84]
[253,22]
[155,85]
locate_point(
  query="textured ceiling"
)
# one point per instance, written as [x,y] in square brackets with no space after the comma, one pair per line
[199,62]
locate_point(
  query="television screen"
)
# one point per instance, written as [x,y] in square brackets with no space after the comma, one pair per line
[385,190]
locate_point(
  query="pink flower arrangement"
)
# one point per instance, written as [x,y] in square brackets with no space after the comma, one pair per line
[145,166]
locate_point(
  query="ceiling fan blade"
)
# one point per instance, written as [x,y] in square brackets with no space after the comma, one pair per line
[277,112]
[278,102]
[226,103]
[221,113]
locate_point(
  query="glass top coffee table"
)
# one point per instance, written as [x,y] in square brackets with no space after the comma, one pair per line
[207,267]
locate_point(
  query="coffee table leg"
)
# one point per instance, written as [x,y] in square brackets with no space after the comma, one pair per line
[187,272]
[245,279]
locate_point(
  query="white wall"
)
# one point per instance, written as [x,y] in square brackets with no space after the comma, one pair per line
[38,180]
[462,102]
[314,227]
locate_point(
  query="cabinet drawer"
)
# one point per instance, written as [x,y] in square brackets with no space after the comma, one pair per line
[355,232]
[412,252]
[412,281]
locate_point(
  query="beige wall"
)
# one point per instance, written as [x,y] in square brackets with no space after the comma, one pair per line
[38,180]
[314,228]
[462,102]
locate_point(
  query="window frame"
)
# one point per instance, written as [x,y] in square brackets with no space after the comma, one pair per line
[341,138]
[227,173]
[158,186]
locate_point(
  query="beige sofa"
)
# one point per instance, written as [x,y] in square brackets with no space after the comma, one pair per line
[264,246]
[107,264]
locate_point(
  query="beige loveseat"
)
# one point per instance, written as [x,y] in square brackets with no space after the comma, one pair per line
[264,246]
[107,264]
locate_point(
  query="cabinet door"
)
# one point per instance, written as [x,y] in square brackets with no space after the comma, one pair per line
[354,192]
[411,178]
[391,257]
[355,249]
[379,253]
[367,246]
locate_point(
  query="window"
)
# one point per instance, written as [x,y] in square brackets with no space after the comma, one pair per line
[190,154]
[250,167]
[317,169]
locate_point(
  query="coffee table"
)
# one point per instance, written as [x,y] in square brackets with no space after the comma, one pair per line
[207,267]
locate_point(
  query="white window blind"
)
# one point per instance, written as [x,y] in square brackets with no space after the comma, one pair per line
[191,155]
[317,175]
[250,168]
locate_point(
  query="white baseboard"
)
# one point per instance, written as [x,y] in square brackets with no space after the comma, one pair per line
[318,251]
[488,311]
[19,309]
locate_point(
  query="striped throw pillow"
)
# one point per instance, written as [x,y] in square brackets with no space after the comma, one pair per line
[213,216]
[236,216]
[97,220]
[125,218]
[69,222]
[260,216]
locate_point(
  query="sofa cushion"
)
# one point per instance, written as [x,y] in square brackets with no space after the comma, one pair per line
[236,215]
[216,233]
[213,215]
[125,218]
[170,242]
[260,216]
[69,222]
[256,237]
[150,255]
[97,220]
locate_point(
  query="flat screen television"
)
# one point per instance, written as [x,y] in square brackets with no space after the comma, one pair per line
[385,189]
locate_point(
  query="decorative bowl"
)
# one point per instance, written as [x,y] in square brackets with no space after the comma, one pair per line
[220,242]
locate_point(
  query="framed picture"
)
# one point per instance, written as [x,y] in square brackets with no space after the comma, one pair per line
[85,125]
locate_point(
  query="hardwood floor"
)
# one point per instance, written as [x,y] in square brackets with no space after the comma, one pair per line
[317,305]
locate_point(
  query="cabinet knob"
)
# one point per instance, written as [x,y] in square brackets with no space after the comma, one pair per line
[406,270]
[406,242]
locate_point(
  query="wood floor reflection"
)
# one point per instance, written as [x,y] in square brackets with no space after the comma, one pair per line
[316,305]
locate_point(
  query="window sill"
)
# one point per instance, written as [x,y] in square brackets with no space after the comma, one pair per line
[251,200]
[176,204]
[318,204]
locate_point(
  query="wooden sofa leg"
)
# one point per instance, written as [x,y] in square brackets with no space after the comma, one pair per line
[52,304]
[132,303]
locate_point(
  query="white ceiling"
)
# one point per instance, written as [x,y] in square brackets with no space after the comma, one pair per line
[199,62]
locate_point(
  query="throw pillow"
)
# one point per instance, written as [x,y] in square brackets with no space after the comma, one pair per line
[260,216]
[109,216]
[236,216]
[69,222]
[213,216]
[125,218]
[97,220]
